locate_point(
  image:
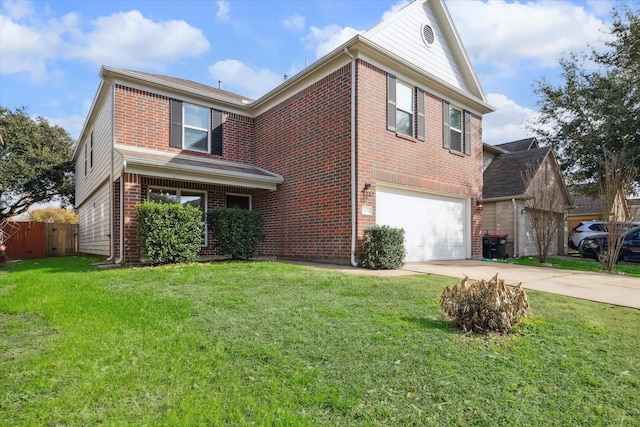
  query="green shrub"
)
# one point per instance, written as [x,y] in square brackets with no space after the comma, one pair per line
[483,306]
[383,248]
[237,232]
[169,232]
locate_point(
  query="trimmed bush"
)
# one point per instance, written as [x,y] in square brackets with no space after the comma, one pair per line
[383,248]
[237,232]
[169,232]
[484,307]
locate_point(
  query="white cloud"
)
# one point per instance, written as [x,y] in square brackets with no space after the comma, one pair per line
[244,80]
[123,39]
[508,122]
[295,22]
[17,10]
[396,7]
[25,49]
[131,40]
[504,34]
[324,40]
[72,124]
[223,11]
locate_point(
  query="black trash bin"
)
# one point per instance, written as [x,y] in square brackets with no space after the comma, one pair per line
[494,246]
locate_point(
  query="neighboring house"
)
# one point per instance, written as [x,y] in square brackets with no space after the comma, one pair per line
[634,209]
[386,129]
[586,208]
[506,191]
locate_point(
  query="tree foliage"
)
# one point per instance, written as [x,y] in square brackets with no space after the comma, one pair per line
[596,107]
[35,162]
[53,215]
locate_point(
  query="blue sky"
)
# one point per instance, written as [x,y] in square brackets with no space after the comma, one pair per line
[51,51]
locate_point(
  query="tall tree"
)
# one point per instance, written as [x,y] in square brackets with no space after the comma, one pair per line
[596,107]
[35,162]
[545,205]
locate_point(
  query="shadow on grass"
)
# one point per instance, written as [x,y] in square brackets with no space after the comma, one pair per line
[69,264]
[439,324]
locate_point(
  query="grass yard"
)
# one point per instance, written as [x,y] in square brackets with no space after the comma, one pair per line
[269,343]
[580,264]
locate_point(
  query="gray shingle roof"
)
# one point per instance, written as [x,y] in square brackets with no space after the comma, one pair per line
[586,205]
[520,145]
[175,81]
[503,177]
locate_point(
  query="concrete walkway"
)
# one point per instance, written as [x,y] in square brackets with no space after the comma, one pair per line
[600,287]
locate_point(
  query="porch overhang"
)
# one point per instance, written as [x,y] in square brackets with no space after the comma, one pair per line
[167,165]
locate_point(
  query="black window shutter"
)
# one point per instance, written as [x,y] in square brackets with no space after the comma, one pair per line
[216,133]
[175,139]
[467,133]
[391,102]
[420,115]
[446,131]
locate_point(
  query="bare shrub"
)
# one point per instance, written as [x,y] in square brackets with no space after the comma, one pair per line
[485,306]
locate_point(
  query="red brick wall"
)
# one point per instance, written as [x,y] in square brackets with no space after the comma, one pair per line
[132,196]
[143,119]
[384,157]
[307,140]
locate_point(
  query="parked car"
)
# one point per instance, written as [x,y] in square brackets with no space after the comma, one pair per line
[591,246]
[585,229]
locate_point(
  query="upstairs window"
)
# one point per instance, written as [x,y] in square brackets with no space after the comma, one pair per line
[405,109]
[192,128]
[196,128]
[456,129]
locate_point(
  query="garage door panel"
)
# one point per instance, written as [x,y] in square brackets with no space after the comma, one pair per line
[434,225]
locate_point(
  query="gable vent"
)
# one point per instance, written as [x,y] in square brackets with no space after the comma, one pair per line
[428,37]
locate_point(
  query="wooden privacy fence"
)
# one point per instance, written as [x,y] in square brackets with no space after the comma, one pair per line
[41,240]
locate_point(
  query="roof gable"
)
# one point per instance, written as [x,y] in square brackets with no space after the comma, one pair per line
[520,145]
[407,34]
[503,178]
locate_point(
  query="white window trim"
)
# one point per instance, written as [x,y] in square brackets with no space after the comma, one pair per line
[452,129]
[242,195]
[412,112]
[186,126]
[178,193]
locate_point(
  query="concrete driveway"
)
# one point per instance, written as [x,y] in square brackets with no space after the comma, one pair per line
[600,287]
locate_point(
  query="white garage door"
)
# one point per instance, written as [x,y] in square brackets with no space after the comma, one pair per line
[434,225]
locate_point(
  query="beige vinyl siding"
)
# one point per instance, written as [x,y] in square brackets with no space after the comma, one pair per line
[401,34]
[489,218]
[93,219]
[86,184]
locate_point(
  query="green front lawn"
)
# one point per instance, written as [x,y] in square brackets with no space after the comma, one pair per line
[268,343]
[580,264]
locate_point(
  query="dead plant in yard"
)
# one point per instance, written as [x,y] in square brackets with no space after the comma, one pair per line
[485,306]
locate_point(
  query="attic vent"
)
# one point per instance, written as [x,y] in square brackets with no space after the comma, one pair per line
[428,37]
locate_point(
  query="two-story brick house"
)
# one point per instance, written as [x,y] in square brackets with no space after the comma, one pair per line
[386,129]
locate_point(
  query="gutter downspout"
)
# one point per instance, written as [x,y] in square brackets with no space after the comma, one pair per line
[119,260]
[515,227]
[113,133]
[354,196]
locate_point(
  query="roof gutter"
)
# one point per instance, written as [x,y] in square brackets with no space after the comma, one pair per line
[354,196]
